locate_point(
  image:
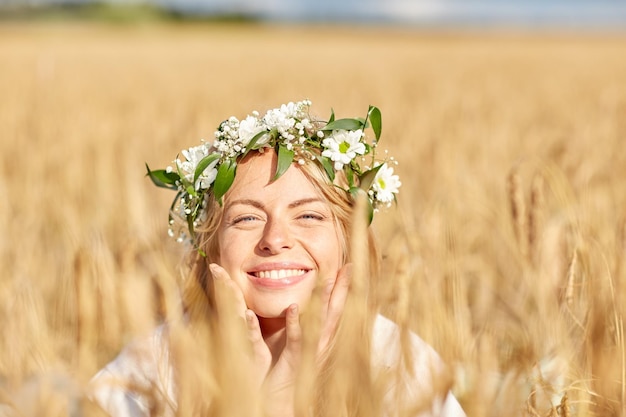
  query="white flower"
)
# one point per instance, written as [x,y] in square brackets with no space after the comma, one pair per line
[289,110]
[228,130]
[296,110]
[249,128]
[193,156]
[279,120]
[385,184]
[342,146]
[289,119]
[207,177]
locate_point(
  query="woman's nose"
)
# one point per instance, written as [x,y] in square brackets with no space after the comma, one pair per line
[276,236]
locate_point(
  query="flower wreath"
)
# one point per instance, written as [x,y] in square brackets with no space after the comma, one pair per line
[340,144]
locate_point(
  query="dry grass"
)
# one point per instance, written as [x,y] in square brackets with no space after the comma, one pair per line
[507,250]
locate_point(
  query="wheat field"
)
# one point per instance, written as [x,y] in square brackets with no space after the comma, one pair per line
[506,251]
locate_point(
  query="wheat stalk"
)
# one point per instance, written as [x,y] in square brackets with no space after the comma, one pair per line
[519,215]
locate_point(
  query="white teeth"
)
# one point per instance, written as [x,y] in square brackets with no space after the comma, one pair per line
[280,273]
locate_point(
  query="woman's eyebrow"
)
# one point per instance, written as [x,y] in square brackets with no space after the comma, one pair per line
[259,205]
[245,201]
[304,201]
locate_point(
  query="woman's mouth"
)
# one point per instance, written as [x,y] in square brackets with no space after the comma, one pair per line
[279,273]
[278,278]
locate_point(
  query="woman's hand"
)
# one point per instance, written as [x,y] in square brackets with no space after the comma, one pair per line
[278,381]
[262,357]
[333,300]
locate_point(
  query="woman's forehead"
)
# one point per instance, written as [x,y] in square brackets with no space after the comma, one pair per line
[255,179]
[258,165]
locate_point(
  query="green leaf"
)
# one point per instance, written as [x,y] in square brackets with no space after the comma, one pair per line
[375,118]
[224,179]
[203,164]
[162,178]
[285,158]
[349,174]
[192,232]
[363,121]
[370,211]
[367,178]
[354,192]
[254,140]
[344,124]
[328,166]
[332,116]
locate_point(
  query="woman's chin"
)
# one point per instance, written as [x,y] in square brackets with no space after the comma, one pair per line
[274,312]
[270,315]
[271,306]
[277,310]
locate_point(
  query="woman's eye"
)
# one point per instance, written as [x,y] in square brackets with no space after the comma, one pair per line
[311,216]
[244,219]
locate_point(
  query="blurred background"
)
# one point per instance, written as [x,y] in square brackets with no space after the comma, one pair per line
[506,250]
[573,14]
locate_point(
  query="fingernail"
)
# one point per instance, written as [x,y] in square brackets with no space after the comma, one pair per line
[250,316]
[214,271]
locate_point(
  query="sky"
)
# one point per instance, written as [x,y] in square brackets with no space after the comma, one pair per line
[564,13]
[575,13]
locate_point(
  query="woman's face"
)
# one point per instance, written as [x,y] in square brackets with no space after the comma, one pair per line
[277,238]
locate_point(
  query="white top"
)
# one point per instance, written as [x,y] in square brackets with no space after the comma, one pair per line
[145,366]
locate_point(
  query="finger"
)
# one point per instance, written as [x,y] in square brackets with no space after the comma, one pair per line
[219,274]
[339,293]
[260,351]
[254,328]
[334,309]
[221,277]
[327,294]
[293,344]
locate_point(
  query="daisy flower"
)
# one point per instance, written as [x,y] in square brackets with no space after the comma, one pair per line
[385,185]
[342,146]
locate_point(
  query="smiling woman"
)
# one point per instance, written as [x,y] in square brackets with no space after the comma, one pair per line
[277,321]
[276,245]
